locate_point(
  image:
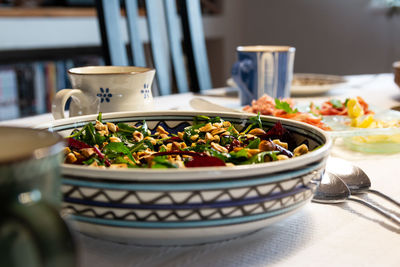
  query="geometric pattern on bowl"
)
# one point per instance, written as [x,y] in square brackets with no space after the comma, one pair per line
[243,198]
[193,205]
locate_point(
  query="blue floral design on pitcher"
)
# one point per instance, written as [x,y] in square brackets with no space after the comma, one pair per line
[104,95]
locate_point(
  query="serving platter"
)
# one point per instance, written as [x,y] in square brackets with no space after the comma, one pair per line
[193,205]
[371,140]
[306,84]
[383,140]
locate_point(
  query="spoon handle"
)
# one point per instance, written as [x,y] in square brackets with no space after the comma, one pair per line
[384,196]
[386,214]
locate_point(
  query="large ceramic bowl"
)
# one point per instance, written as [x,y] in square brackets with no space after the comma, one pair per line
[193,205]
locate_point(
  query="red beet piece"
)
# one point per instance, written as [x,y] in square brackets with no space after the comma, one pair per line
[199,159]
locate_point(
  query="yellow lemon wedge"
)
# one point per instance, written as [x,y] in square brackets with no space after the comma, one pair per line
[354,109]
[367,122]
[354,122]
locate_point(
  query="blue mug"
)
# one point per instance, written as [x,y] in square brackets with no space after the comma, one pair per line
[263,70]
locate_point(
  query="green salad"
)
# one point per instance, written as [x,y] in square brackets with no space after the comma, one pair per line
[207,142]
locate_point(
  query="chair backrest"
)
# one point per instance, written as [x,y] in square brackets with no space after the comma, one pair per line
[179,68]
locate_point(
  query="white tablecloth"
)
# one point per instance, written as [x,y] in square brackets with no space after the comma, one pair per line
[318,235]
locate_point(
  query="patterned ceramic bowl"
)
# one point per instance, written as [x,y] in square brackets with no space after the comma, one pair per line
[193,205]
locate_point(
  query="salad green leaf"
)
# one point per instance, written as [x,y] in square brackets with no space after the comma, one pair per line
[284,106]
[336,103]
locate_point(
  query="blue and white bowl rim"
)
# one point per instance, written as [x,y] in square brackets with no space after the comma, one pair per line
[192,174]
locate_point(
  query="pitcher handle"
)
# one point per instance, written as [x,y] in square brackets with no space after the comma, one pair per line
[60,100]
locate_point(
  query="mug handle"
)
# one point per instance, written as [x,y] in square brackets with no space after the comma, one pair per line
[240,69]
[60,100]
[49,232]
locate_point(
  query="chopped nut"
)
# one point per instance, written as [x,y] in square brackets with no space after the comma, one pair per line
[138,136]
[66,150]
[119,166]
[218,124]
[180,135]
[257,131]
[96,165]
[103,133]
[114,139]
[219,148]
[70,158]
[164,136]
[151,139]
[252,152]
[207,128]
[183,145]
[175,146]
[201,142]
[300,150]
[111,127]
[194,137]
[87,152]
[169,147]
[266,146]
[218,131]
[209,137]
[226,124]
[282,157]
[100,126]
[238,148]
[282,144]
[161,130]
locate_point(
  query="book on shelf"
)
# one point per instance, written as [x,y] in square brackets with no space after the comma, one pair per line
[39,84]
[9,106]
[28,88]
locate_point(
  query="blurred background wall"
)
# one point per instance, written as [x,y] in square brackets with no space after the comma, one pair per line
[332,37]
[41,39]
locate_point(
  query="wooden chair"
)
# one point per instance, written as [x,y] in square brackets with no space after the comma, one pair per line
[178,68]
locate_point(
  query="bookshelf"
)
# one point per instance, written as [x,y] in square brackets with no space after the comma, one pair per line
[45,41]
[35,55]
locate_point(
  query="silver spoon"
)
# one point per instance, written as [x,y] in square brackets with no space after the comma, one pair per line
[355,178]
[333,190]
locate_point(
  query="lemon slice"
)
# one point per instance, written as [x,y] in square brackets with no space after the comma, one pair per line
[366,122]
[354,109]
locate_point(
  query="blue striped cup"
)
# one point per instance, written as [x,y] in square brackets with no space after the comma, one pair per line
[263,70]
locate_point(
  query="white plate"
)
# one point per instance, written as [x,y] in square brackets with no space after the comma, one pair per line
[314,84]
[304,84]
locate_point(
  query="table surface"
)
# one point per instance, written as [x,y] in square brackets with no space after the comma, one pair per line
[345,234]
